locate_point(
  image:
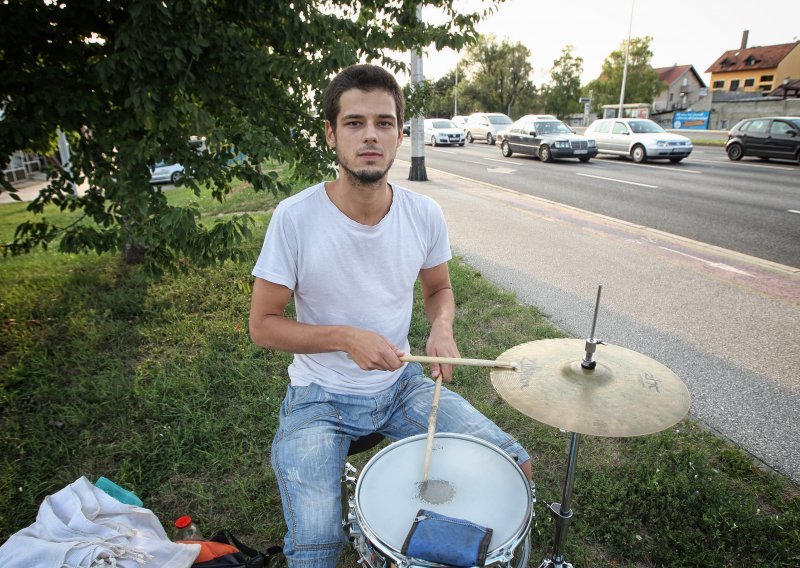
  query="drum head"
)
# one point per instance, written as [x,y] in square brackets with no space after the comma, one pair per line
[485,486]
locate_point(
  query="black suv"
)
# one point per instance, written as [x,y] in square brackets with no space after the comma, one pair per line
[768,137]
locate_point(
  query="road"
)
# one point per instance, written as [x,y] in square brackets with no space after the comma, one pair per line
[752,207]
[724,321]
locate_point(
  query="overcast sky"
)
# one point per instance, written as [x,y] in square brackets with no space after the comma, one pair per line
[685,32]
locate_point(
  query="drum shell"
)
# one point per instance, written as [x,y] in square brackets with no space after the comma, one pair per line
[488,489]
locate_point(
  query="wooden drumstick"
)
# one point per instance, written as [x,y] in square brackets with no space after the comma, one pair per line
[459,361]
[431,428]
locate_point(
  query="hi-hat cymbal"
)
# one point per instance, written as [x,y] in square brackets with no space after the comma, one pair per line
[626,394]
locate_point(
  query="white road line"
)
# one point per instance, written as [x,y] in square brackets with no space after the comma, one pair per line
[679,169]
[792,211]
[619,181]
[503,161]
[720,265]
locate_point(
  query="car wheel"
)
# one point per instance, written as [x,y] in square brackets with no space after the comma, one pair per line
[433,141]
[544,153]
[675,160]
[469,137]
[175,177]
[638,154]
[460,143]
[735,152]
[505,149]
[584,159]
[490,139]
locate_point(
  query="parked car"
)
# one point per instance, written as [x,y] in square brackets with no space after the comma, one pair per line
[769,137]
[485,125]
[407,128]
[442,131]
[459,120]
[162,172]
[547,138]
[639,138]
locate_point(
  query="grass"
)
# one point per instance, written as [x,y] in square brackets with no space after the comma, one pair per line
[156,385]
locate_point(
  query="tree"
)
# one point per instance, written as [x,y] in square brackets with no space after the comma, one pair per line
[562,94]
[642,83]
[500,74]
[129,82]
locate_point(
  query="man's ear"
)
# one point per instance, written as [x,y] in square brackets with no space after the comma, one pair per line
[330,135]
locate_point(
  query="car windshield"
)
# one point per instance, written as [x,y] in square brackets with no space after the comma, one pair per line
[645,127]
[443,124]
[499,119]
[552,127]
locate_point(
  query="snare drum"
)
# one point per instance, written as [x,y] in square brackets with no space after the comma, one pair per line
[485,486]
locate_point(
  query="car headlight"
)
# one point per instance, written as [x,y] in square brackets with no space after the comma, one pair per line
[591,143]
[662,144]
[561,144]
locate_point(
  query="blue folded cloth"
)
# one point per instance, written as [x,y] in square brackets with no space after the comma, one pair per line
[438,538]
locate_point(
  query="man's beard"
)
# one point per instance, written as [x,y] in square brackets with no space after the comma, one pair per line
[365,176]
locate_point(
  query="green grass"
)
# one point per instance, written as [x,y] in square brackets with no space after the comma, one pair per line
[156,385]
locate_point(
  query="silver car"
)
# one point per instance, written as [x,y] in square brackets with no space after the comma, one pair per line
[163,172]
[639,138]
[485,126]
[442,131]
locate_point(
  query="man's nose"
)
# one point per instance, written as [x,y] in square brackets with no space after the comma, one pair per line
[370,132]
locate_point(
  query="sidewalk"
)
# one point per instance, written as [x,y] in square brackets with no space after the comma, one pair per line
[723,321]
[28,189]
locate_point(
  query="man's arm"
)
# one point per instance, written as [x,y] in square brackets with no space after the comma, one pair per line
[440,308]
[269,327]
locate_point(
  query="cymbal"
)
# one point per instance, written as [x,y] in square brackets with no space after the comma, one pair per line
[626,394]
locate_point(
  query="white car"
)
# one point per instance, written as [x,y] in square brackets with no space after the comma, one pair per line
[639,138]
[163,172]
[442,131]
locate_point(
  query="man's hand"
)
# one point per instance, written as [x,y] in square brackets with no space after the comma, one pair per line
[372,351]
[442,344]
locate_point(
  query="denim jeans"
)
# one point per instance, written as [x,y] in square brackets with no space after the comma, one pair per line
[314,433]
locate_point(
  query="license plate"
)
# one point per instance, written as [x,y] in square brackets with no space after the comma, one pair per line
[581,152]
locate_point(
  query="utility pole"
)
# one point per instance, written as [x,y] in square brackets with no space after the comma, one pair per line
[621,113]
[417,171]
[455,105]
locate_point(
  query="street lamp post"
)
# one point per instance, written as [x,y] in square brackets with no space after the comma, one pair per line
[417,171]
[621,113]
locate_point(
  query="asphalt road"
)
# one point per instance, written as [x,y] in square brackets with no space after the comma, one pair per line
[723,321]
[750,206]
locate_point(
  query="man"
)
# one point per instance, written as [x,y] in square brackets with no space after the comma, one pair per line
[350,250]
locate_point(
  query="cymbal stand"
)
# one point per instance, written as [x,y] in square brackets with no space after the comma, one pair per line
[561,512]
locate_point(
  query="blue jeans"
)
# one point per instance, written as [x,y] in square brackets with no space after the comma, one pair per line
[314,433]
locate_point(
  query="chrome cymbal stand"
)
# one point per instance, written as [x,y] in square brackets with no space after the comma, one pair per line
[561,512]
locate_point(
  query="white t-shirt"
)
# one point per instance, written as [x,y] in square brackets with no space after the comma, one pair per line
[346,273]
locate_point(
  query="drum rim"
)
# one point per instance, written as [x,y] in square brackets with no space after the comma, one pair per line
[502,550]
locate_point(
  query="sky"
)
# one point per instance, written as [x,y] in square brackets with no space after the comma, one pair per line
[686,32]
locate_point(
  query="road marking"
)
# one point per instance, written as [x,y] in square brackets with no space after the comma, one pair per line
[792,211]
[502,161]
[619,181]
[500,170]
[720,265]
[671,169]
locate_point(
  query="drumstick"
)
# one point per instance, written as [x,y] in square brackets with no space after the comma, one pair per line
[458,361]
[431,428]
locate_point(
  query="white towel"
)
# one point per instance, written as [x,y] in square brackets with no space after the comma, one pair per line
[82,526]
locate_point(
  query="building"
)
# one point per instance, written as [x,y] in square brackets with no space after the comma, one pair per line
[755,69]
[684,88]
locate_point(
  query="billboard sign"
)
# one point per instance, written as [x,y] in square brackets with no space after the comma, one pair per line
[690,120]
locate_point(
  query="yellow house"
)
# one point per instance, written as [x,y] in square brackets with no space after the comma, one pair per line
[753,69]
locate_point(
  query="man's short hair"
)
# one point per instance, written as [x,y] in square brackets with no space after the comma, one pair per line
[365,77]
